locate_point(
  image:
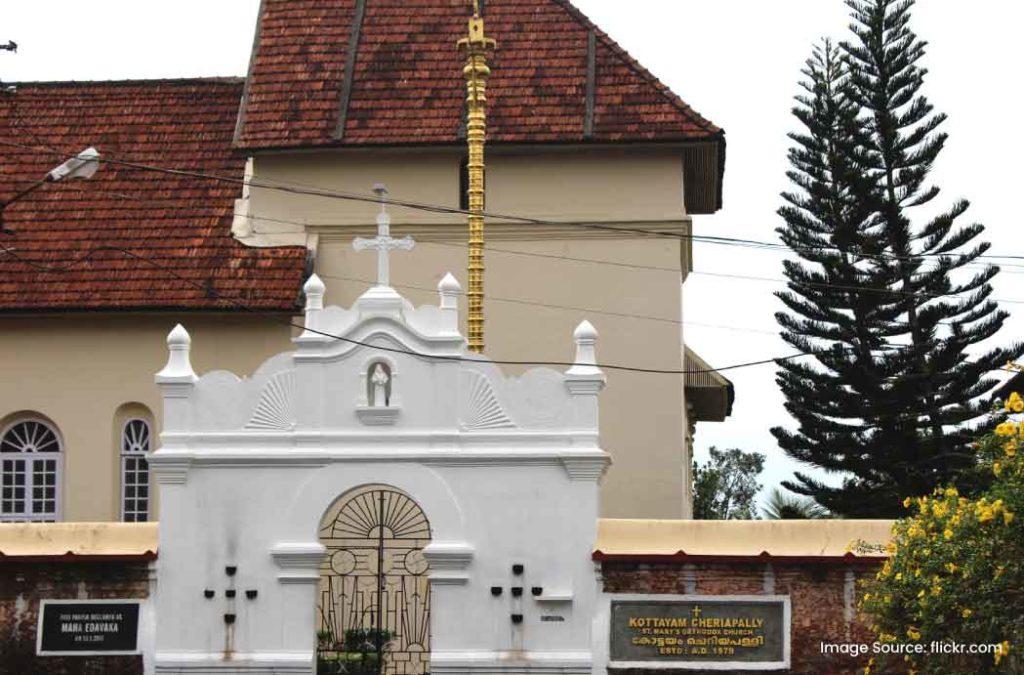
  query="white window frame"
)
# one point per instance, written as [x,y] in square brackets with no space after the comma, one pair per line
[31,459]
[138,455]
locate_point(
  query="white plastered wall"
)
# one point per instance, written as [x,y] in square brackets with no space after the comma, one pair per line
[248,467]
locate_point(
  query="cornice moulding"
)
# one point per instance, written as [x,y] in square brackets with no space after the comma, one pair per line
[299,562]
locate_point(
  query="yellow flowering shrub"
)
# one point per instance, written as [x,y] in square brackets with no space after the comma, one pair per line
[955,571]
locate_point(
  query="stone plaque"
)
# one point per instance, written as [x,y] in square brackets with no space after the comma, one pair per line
[88,627]
[735,632]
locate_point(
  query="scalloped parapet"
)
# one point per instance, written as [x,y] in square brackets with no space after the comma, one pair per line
[320,398]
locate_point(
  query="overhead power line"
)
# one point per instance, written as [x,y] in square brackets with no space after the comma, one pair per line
[315,191]
[585,310]
[435,208]
[716,240]
[276,319]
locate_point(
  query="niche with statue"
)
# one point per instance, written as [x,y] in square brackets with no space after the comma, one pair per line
[378,404]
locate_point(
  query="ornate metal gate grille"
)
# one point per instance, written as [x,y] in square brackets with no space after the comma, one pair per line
[374,579]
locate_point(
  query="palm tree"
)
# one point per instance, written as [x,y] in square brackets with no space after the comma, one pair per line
[785,506]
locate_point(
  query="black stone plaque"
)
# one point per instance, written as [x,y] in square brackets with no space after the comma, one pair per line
[88,627]
[741,631]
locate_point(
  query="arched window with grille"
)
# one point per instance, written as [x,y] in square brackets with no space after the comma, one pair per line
[135,437]
[31,461]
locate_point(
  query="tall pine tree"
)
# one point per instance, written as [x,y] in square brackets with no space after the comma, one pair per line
[836,311]
[895,396]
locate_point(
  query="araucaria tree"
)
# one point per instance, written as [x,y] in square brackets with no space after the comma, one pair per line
[888,296]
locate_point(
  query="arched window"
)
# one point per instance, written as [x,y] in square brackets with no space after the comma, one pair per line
[30,468]
[135,437]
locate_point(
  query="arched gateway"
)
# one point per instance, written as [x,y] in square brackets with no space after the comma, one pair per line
[374,596]
[408,488]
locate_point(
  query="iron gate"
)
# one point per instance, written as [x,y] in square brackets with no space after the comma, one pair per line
[374,601]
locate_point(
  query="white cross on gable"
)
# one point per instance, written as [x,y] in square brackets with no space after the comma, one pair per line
[383,243]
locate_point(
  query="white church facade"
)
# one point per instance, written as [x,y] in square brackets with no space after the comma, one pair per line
[380,481]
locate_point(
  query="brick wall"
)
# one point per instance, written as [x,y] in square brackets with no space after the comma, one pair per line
[23,585]
[822,596]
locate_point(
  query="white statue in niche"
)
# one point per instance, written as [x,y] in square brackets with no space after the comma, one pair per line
[380,385]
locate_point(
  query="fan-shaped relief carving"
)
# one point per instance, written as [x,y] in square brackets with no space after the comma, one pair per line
[276,409]
[480,406]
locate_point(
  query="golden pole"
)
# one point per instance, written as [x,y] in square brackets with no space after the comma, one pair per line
[476,71]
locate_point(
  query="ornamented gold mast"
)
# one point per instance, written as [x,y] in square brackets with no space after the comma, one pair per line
[476,71]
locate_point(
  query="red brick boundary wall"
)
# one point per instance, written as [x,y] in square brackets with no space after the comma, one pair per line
[24,583]
[822,591]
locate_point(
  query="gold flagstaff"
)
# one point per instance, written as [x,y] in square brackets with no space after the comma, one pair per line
[476,72]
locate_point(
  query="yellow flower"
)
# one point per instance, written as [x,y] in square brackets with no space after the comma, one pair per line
[1002,652]
[951,567]
[1007,517]
[1010,448]
[1015,403]
[997,469]
[966,613]
[948,534]
[907,502]
[913,633]
[1006,429]
[951,492]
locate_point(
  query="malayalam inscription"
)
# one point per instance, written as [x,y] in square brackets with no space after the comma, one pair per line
[698,630]
[68,627]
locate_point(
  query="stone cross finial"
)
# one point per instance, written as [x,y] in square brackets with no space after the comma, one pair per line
[383,243]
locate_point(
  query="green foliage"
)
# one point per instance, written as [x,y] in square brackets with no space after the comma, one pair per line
[357,654]
[724,488]
[956,566]
[885,299]
[783,506]
[366,639]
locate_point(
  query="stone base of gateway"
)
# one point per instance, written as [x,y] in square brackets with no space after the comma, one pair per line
[511,663]
[249,664]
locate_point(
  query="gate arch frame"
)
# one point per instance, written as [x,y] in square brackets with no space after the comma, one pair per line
[376,527]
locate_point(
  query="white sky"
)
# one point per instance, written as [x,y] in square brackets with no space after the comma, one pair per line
[735,61]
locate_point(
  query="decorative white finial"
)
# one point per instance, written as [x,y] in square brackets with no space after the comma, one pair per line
[449,290]
[383,243]
[585,333]
[179,365]
[314,289]
[585,364]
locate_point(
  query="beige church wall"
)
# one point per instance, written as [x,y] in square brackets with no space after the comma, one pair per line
[88,373]
[617,185]
[636,309]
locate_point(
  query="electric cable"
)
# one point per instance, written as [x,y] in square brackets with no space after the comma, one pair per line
[435,208]
[269,316]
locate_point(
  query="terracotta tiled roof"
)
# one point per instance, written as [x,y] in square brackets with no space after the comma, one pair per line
[182,223]
[405,83]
